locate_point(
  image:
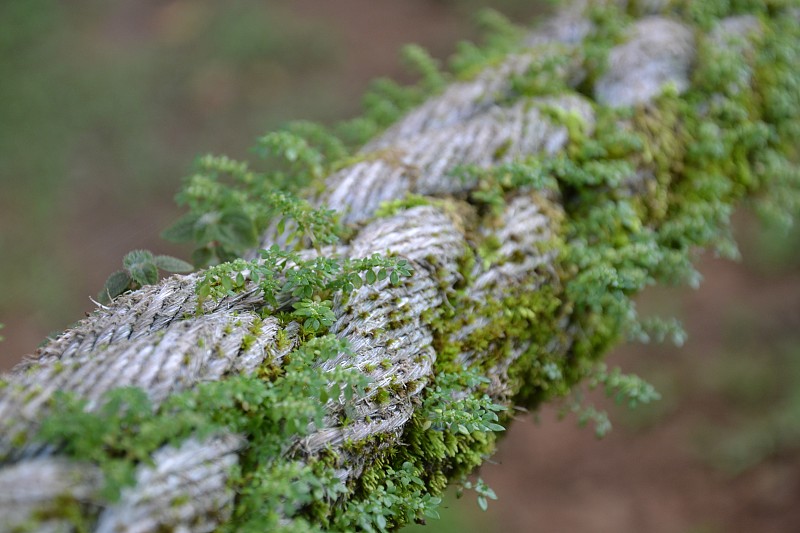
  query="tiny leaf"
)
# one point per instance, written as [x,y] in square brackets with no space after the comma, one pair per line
[144,273]
[116,284]
[137,257]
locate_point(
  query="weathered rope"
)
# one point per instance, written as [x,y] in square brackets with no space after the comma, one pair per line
[154,339]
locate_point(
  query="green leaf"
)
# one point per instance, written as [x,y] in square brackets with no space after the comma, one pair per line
[137,257]
[141,266]
[116,284]
[371,277]
[144,273]
[182,230]
[482,503]
[172,264]
[432,513]
[355,280]
[237,230]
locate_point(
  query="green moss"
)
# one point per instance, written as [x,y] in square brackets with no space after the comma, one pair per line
[64,508]
[247,342]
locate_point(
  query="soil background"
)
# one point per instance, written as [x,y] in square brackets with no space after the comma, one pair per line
[103,107]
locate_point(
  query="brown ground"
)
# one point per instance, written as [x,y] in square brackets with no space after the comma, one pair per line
[652,473]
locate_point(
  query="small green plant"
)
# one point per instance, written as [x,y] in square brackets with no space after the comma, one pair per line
[140,268]
[445,409]
[500,37]
[126,429]
[230,206]
[627,388]
[484,491]
[283,277]
[622,388]
[403,498]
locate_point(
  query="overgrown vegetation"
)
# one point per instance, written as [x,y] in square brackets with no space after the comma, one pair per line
[640,193]
[283,276]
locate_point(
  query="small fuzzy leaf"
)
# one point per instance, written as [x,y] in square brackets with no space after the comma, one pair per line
[144,273]
[137,257]
[172,264]
[116,284]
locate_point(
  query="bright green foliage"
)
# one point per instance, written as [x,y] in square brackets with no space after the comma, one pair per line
[282,276]
[445,411]
[450,434]
[118,435]
[608,29]
[614,242]
[384,103]
[402,498]
[623,387]
[546,74]
[419,60]
[500,37]
[315,315]
[230,205]
[586,413]
[277,491]
[657,329]
[485,493]
[139,268]
[300,163]
[125,430]
[392,207]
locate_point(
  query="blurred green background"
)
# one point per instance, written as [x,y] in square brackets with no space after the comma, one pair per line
[103,107]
